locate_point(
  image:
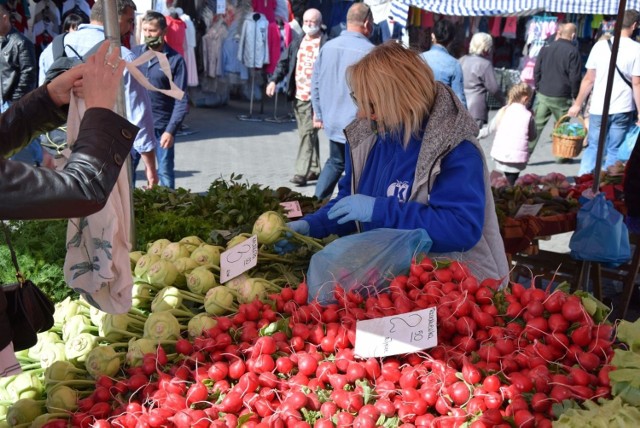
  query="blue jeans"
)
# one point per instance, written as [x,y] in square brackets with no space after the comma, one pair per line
[165,164]
[32,153]
[617,128]
[333,169]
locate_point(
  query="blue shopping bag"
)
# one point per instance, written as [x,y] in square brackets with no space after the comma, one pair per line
[630,138]
[601,235]
[365,262]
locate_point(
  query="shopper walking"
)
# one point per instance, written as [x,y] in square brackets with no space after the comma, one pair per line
[514,127]
[446,68]
[557,75]
[480,77]
[168,113]
[624,107]
[137,103]
[333,108]
[18,76]
[296,64]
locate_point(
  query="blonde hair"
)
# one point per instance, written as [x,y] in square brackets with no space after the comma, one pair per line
[395,85]
[517,92]
[480,44]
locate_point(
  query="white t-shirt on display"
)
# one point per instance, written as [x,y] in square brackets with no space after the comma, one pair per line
[628,62]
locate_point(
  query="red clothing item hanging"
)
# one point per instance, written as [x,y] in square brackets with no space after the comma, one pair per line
[266,7]
[176,34]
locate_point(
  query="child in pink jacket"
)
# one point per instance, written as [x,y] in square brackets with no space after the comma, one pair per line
[514,127]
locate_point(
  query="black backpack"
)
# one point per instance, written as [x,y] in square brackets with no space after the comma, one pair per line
[62,62]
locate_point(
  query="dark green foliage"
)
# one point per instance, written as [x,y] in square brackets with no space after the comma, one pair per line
[229,207]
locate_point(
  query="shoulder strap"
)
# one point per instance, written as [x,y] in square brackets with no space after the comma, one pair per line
[627,81]
[57,46]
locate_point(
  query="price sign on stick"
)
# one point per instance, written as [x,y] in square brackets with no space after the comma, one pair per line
[292,209]
[239,259]
[397,334]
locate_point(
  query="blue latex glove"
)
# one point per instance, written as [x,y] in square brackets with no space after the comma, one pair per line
[633,224]
[285,246]
[353,208]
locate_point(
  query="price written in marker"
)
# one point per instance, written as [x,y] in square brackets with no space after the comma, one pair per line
[292,209]
[397,334]
[239,259]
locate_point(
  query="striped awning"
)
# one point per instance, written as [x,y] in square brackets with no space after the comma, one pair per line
[478,7]
[603,7]
[517,7]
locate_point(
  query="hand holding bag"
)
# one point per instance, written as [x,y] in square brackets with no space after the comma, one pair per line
[28,309]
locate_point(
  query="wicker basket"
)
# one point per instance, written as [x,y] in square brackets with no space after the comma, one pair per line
[565,146]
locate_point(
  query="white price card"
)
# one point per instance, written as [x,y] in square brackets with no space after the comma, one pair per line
[529,209]
[397,334]
[221,7]
[292,209]
[239,259]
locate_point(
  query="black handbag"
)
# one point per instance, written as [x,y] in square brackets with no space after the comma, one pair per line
[29,310]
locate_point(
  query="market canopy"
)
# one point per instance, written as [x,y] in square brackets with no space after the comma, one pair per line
[517,7]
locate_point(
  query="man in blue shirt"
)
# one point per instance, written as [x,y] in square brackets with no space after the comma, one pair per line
[136,97]
[168,113]
[332,105]
[446,68]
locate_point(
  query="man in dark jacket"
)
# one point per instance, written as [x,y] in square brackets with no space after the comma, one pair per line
[17,76]
[168,113]
[296,64]
[557,79]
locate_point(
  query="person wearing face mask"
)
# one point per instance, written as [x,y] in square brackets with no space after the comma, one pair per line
[137,102]
[296,63]
[168,113]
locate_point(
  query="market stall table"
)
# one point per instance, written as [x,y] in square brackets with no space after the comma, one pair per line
[521,236]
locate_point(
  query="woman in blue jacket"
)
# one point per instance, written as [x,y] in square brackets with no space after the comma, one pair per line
[413,161]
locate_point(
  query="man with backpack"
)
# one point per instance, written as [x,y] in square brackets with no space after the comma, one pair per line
[82,42]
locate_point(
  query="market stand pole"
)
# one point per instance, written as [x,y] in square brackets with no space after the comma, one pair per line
[583,280]
[112,33]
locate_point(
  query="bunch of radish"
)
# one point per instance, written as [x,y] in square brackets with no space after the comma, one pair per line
[504,357]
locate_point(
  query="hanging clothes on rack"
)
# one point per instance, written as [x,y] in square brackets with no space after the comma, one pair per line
[253,49]
[190,48]
[212,49]
[539,30]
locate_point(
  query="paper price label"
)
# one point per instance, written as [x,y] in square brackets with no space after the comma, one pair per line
[221,7]
[292,209]
[528,209]
[239,259]
[397,334]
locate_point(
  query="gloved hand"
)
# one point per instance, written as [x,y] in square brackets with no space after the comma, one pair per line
[353,208]
[285,246]
[633,224]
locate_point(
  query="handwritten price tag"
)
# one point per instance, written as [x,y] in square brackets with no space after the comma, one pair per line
[239,259]
[221,7]
[528,209]
[397,334]
[292,209]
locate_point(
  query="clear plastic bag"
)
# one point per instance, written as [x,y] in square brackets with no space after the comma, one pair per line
[363,261]
[601,235]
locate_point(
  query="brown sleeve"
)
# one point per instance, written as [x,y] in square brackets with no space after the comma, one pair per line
[82,188]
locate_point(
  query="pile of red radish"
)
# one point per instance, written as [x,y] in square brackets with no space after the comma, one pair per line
[503,358]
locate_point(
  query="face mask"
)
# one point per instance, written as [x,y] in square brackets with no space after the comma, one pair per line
[153,42]
[310,30]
